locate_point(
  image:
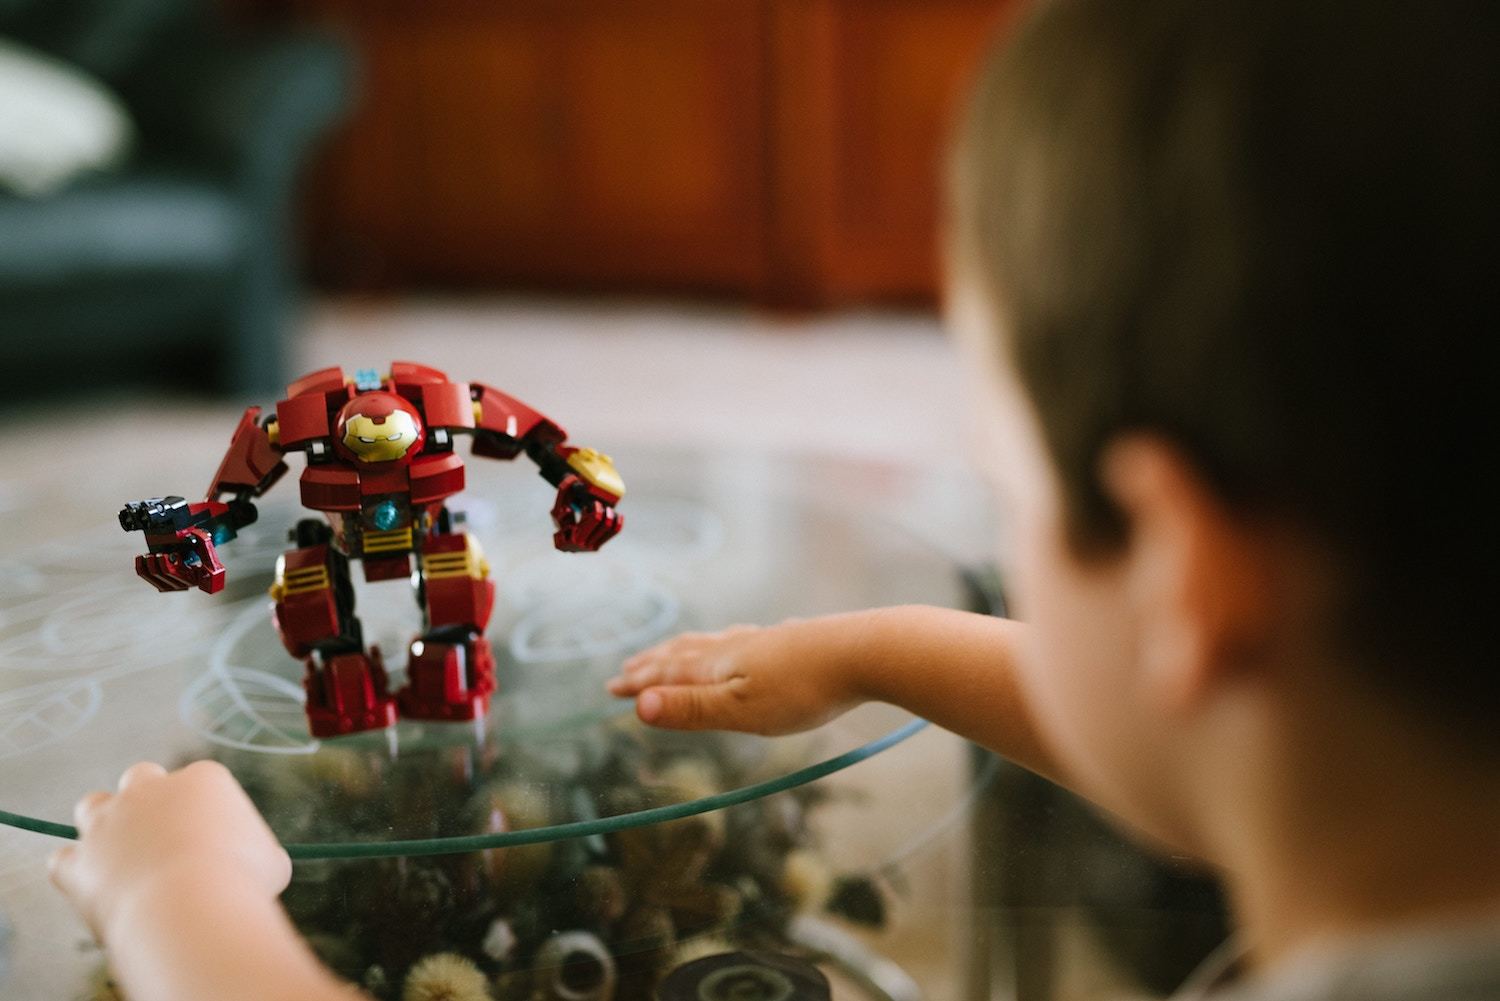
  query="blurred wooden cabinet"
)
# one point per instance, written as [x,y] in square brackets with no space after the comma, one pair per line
[784,150]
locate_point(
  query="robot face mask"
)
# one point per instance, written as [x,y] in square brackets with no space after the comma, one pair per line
[378,427]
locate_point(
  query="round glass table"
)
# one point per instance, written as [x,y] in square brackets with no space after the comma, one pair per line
[558,848]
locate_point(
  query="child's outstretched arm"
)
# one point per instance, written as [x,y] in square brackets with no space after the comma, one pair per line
[178,876]
[953,668]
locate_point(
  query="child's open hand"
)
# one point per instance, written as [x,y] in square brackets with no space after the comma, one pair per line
[770,680]
[193,827]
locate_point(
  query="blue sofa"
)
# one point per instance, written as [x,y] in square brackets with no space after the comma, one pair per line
[179,265]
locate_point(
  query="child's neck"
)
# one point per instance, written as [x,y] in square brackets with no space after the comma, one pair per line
[1357,826]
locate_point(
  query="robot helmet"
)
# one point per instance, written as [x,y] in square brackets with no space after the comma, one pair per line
[378,427]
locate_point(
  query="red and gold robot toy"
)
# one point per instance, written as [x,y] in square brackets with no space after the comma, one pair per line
[381,465]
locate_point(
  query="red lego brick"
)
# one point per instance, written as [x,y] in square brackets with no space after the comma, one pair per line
[456,584]
[330,488]
[448,681]
[506,415]
[436,477]
[412,373]
[348,695]
[301,419]
[325,380]
[252,463]
[447,405]
[447,542]
[391,480]
[395,567]
[305,610]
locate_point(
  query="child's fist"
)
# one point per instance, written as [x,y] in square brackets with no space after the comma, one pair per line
[770,680]
[195,824]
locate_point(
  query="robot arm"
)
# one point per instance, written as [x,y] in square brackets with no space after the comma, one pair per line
[588,486]
[182,538]
[253,462]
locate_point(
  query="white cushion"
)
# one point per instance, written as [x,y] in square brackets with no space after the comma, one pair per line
[55,122]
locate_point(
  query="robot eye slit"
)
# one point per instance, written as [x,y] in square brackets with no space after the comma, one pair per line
[394,437]
[367,441]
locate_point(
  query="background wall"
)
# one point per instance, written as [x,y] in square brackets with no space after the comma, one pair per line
[788,151]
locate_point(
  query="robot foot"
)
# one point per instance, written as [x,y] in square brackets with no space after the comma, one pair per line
[347,695]
[448,680]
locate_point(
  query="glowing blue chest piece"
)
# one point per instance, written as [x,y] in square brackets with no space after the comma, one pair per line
[386,515]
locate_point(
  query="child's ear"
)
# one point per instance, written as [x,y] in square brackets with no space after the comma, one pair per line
[1198,574]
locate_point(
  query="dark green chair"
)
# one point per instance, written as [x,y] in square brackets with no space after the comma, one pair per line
[180,264]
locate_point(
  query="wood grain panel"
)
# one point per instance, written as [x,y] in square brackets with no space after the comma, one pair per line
[665,126]
[487,153]
[785,150]
[894,72]
[360,208]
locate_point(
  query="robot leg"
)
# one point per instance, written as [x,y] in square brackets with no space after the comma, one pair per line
[314,614]
[451,670]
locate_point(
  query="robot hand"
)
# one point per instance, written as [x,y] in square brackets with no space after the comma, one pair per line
[180,556]
[585,520]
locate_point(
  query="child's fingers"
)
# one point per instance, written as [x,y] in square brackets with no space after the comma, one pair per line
[643,676]
[207,770]
[139,772]
[690,707]
[690,670]
[650,656]
[271,868]
[679,644]
[216,783]
[62,869]
[638,673]
[86,810]
[624,687]
[652,652]
[281,870]
[60,866]
[633,678]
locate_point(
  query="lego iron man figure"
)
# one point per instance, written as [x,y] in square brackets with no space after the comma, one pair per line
[381,465]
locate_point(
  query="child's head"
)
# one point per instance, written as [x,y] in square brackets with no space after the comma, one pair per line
[1238,260]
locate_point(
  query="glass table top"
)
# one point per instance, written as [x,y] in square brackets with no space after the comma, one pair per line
[560,814]
[97,670]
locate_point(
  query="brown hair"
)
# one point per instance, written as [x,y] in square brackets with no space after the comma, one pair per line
[1267,230]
